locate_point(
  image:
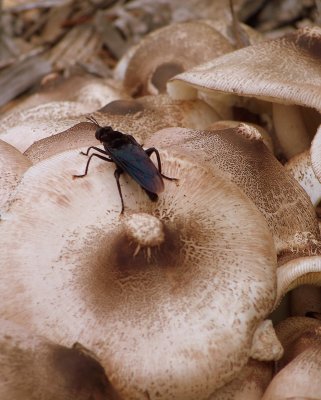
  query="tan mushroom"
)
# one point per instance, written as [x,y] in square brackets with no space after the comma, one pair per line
[284,71]
[241,154]
[140,117]
[300,167]
[299,370]
[33,368]
[51,112]
[12,166]
[93,93]
[166,52]
[171,312]
[250,383]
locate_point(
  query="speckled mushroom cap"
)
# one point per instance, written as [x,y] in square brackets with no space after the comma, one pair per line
[140,117]
[299,369]
[33,368]
[12,166]
[265,70]
[166,52]
[241,153]
[170,317]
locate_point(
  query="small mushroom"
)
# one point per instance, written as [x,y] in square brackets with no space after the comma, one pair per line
[299,370]
[284,71]
[169,296]
[93,93]
[12,166]
[166,52]
[140,118]
[33,368]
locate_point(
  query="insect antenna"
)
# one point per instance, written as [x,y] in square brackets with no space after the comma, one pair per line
[93,120]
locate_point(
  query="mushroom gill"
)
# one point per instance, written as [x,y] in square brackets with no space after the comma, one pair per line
[173,319]
[34,368]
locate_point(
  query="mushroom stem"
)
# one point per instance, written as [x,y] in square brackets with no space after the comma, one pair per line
[290,129]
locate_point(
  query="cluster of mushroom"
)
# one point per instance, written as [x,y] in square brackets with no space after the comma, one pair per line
[172,299]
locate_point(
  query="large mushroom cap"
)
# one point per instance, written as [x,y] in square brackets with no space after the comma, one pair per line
[241,153]
[33,368]
[284,70]
[170,319]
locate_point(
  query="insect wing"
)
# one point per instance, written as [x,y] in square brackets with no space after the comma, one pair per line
[133,160]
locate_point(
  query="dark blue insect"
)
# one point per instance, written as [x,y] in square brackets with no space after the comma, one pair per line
[129,156]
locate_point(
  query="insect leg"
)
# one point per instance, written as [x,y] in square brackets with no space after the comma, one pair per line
[152,150]
[117,173]
[92,147]
[87,165]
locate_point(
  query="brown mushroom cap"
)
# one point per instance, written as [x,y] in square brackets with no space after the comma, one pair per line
[241,154]
[299,369]
[140,117]
[175,320]
[12,166]
[33,368]
[169,51]
[284,70]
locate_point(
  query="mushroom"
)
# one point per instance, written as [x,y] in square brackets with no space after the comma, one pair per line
[140,117]
[33,368]
[91,92]
[315,154]
[241,154]
[45,114]
[12,166]
[250,383]
[284,71]
[300,166]
[167,52]
[299,370]
[169,296]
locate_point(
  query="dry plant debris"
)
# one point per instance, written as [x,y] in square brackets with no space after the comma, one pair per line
[175,299]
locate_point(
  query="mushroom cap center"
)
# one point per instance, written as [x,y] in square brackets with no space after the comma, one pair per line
[145,229]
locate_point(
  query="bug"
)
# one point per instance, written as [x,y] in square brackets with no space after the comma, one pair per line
[129,156]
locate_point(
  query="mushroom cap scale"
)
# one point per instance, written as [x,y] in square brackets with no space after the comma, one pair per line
[284,70]
[177,322]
